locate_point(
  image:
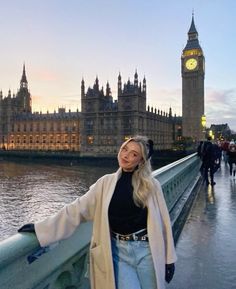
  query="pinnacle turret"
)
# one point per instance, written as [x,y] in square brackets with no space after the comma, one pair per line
[24,82]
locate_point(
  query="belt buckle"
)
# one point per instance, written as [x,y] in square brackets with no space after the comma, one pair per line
[135,237]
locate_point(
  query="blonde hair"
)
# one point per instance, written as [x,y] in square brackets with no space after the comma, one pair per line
[142,180]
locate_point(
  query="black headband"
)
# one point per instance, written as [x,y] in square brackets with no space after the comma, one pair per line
[150,148]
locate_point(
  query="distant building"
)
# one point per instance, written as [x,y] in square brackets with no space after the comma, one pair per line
[221,131]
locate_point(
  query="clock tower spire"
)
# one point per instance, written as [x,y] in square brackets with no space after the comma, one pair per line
[193,74]
[24,82]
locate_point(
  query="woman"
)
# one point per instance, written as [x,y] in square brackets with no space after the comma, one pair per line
[232,158]
[132,245]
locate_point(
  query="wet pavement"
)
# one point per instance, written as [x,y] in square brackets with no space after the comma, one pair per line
[206,248]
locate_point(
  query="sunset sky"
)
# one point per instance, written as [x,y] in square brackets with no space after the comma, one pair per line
[62,42]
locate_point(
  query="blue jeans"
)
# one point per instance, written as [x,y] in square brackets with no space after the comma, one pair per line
[133,265]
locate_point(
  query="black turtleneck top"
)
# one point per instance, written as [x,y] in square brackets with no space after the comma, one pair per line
[125,217]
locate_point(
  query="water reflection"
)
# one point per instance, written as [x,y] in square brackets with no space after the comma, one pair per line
[32,191]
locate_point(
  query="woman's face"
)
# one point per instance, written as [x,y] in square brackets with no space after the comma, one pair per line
[130,156]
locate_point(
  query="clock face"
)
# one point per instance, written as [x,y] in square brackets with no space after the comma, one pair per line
[191,63]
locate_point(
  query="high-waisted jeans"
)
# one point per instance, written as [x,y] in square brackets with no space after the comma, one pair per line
[133,265]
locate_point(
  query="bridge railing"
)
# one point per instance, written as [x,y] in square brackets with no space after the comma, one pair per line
[177,177]
[180,182]
[24,265]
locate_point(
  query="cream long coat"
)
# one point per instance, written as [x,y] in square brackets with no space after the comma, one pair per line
[94,206]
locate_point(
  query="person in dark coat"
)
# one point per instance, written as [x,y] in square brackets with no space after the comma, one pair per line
[217,155]
[225,148]
[208,161]
[232,158]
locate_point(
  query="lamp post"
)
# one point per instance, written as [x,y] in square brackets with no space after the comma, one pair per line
[203,122]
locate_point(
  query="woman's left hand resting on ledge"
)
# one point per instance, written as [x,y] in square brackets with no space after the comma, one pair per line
[29,228]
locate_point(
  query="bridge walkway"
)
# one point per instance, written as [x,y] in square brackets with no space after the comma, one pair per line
[206,248]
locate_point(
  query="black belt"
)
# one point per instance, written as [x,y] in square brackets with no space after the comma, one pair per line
[136,236]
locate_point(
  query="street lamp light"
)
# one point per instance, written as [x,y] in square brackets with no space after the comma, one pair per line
[203,121]
[211,134]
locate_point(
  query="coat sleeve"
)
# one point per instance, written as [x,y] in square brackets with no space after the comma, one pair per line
[63,224]
[167,228]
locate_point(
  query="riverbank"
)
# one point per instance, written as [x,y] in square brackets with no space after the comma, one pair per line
[159,158]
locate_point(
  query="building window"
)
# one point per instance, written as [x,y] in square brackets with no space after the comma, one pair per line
[89,124]
[90,139]
[74,126]
[51,138]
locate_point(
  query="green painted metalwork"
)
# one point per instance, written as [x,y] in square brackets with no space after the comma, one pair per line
[24,265]
[61,266]
[177,177]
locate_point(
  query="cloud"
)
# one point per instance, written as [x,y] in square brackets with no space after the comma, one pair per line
[220,106]
[45,75]
[52,102]
[163,99]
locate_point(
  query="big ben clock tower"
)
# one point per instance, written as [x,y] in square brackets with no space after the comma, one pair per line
[192,68]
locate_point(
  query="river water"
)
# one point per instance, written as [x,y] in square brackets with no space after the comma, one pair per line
[31,191]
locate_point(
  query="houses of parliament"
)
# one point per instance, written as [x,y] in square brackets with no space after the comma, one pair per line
[104,123]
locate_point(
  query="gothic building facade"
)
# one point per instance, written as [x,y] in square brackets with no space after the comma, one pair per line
[98,130]
[106,123]
[20,129]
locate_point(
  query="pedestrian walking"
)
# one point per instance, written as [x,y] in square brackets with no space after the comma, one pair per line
[232,158]
[132,244]
[225,148]
[208,161]
[217,151]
